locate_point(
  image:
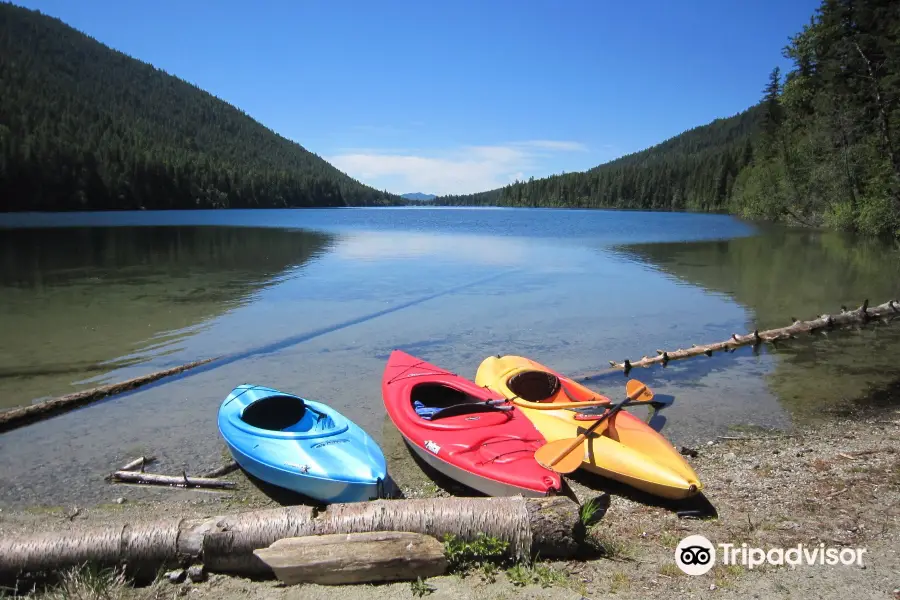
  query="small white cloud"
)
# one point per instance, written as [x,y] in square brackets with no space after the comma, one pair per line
[467,170]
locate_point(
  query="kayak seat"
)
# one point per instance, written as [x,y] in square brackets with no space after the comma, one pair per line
[285,413]
[534,386]
[433,401]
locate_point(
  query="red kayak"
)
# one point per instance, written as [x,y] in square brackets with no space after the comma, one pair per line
[464,431]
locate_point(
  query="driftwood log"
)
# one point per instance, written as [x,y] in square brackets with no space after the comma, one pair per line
[549,527]
[884,312]
[223,470]
[355,558]
[25,415]
[182,481]
[138,463]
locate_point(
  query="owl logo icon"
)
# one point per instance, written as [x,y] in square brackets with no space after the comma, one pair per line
[695,555]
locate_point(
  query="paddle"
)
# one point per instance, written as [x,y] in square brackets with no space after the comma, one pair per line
[560,456]
[653,402]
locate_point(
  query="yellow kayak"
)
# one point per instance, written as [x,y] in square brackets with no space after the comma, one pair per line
[624,448]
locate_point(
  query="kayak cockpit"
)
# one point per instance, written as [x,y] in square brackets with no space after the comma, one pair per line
[534,386]
[285,413]
[440,402]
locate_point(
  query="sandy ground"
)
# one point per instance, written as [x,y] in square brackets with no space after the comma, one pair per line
[835,483]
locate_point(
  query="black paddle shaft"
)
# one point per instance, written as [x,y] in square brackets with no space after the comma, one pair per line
[613,410]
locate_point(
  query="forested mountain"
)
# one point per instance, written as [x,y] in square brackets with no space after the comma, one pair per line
[83,126]
[821,148]
[695,171]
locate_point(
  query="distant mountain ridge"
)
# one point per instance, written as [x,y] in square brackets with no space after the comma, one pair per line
[418,196]
[694,170]
[86,127]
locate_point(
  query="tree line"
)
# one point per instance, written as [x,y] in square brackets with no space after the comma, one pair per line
[820,148]
[84,127]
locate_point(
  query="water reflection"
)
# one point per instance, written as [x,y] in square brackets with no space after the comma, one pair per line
[478,249]
[802,274]
[76,302]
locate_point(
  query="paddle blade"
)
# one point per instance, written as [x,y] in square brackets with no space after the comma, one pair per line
[570,461]
[633,386]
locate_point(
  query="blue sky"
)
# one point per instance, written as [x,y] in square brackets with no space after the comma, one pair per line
[459,96]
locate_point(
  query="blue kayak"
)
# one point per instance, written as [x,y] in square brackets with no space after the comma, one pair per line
[301,445]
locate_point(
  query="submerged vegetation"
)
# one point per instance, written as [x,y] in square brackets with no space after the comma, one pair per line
[822,148]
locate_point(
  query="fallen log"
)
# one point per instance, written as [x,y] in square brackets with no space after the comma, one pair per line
[885,312]
[182,481]
[19,417]
[549,527]
[355,558]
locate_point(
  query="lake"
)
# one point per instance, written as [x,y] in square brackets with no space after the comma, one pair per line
[313,301]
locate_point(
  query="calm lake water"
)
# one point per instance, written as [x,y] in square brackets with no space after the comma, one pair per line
[313,301]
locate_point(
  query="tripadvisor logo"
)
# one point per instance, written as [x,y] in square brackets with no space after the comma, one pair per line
[696,555]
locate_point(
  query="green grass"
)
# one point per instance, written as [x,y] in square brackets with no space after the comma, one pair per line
[670,570]
[669,540]
[619,582]
[589,512]
[489,572]
[419,588]
[612,547]
[90,582]
[86,583]
[44,510]
[726,574]
[544,575]
[464,556]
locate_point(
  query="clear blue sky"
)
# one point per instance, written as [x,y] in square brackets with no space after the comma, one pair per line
[461,95]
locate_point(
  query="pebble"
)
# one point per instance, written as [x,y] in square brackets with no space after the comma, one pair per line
[176,576]
[710,443]
[196,573]
[120,500]
[729,456]
[712,587]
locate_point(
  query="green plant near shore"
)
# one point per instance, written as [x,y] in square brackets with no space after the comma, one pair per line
[725,575]
[420,588]
[522,574]
[619,582]
[611,546]
[80,583]
[464,556]
[670,570]
[668,539]
[90,582]
[589,511]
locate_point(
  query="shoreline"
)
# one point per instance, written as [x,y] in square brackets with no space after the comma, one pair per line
[835,482]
